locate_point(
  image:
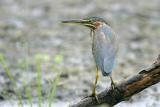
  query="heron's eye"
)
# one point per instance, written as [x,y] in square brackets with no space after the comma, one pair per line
[90,20]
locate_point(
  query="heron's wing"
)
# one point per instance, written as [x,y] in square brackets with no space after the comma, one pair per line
[109,48]
[105,57]
[110,53]
[108,64]
[105,49]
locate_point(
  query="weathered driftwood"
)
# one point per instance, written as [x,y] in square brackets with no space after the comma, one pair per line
[125,89]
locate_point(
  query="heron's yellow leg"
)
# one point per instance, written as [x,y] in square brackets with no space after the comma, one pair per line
[94,85]
[112,82]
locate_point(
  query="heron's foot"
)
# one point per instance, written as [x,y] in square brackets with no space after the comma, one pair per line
[95,95]
[113,85]
[92,95]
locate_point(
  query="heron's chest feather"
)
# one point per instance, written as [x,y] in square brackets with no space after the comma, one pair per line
[103,40]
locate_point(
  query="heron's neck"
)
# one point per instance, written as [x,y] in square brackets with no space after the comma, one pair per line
[92,34]
[106,31]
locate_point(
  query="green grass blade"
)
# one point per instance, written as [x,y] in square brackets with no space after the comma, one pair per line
[27,92]
[29,96]
[53,90]
[8,72]
[27,89]
[39,83]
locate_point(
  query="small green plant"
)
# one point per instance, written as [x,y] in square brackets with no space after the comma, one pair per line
[27,93]
[53,90]
[42,58]
[58,58]
[39,83]
[45,58]
[8,73]
[39,59]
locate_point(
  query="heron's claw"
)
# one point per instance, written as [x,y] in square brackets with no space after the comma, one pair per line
[94,95]
[113,85]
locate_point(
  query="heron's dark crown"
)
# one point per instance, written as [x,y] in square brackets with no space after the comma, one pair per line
[94,19]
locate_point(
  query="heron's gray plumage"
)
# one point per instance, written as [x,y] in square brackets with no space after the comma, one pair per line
[104,48]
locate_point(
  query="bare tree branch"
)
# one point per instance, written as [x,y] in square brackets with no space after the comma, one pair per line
[125,89]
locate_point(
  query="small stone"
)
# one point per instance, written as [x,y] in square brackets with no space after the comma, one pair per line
[64,75]
[1,97]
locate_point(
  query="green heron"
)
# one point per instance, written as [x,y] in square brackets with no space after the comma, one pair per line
[104,46]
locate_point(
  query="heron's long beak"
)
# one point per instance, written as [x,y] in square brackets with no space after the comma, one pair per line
[80,21]
[75,21]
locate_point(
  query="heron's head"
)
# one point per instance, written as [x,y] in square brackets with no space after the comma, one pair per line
[91,22]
